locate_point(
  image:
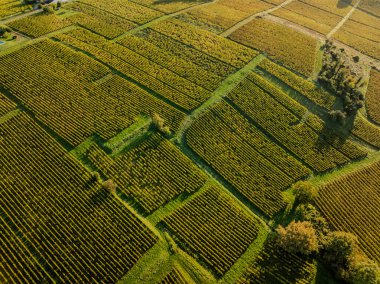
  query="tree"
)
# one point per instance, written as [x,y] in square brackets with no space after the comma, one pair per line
[365,271]
[110,185]
[159,123]
[298,237]
[307,212]
[338,115]
[339,248]
[305,192]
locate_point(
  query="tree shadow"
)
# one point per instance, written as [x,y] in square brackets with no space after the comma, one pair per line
[343,4]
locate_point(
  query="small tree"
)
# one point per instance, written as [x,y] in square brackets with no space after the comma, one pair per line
[160,124]
[110,185]
[307,212]
[305,192]
[298,237]
[339,248]
[338,115]
[365,271]
[47,10]
[59,5]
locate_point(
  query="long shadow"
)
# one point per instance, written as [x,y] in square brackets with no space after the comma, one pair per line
[343,4]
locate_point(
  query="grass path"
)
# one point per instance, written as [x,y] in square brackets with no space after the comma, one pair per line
[250,18]
[225,87]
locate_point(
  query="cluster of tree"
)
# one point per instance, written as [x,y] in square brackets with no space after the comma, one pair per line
[337,75]
[5,33]
[159,123]
[310,235]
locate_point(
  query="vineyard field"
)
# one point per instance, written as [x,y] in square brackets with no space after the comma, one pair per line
[351,203]
[373,96]
[294,49]
[85,233]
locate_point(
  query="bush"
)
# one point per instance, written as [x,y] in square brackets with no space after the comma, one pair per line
[338,115]
[47,10]
[307,212]
[110,185]
[339,248]
[298,237]
[305,192]
[159,123]
[364,272]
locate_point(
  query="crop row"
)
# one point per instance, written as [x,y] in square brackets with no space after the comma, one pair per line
[183,67]
[227,51]
[40,24]
[99,21]
[126,9]
[366,131]
[295,49]
[214,228]
[287,128]
[153,173]
[238,162]
[301,85]
[257,140]
[373,96]
[73,226]
[174,277]
[6,105]
[351,203]
[273,265]
[69,104]
[164,82]
[181,50]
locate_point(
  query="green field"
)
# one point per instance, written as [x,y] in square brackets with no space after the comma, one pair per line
[165,141]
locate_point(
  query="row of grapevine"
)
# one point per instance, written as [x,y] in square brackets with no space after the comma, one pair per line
[366,131]
[174,277]
[227,51]
[17,264]
[126,9]
[328,136]
[167,6]
[163,81]
[309,16]
[273,265]
[40,24]
[182,67]
[99,21]
[373,96]
[76,229]
[246,166]
[12,7]
[294,49]
[152,174]
[351,203]
[286,127]
[61,96]
[361,37]
[6,105]
[214,228]
[301,85]
[181,50]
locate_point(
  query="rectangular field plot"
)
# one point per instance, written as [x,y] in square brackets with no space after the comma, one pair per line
[370,6]
[373,96]
[273,265]
[338,7]
[40,24]
[284,120]
[309,16]
[77,230]
[227,51]
[99,21]
[245,157]
[214,227]
[220,16]
[59,86]
[12,7]
[351,203]
[168,6]
[152,174]
[296,50]
[164,82]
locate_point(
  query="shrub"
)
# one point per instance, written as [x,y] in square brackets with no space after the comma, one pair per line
[339,248]
[159,123]
[298,237]
[305,192]
[110,185]
[47,10]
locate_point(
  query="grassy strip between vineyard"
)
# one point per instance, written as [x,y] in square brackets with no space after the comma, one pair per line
[225,87]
